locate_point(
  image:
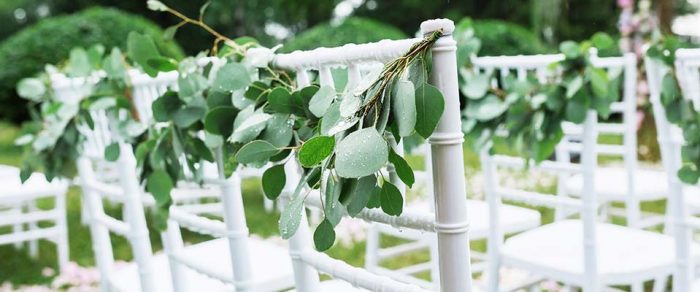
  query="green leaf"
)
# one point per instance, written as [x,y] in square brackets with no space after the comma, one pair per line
[257,151]
[278,130]
[217,98]
[356,194]
[486,109]
[403,106]
[78,63]
[31,88]
[192,84]
[570,49]
[689,173]
[573,86]
[280,101]
[375,198]
[331,118]
[332,208]
[219,121]
[141,48]
[599,81]
[291,215]
[403,170]
[391,199]
[324,236]
[669,89]
[114,64]
[162,64]
[249,128]
[361,153]
[575,111]
[256,90]
[321,101]
[187,116]
[202,150]
[315,150]
[273,181]
[602,40]
[112,152]
[349,104]
[159,184]
[230,77]
[476,86]
[164,107]
[430,104]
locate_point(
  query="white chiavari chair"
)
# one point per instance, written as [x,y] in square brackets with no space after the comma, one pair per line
[449,221]
[578,252]
[640,185]
[683,202]
[18,208]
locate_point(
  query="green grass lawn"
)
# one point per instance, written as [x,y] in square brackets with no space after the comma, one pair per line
[18,268]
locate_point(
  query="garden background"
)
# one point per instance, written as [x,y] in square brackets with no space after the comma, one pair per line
[38,32]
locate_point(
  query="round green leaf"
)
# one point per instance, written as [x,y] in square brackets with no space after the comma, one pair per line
[31,88]
[403,106]
[165,106]
[230,77]
[257,151]
[476,86]
[319,103]
[486,109]
[361,153]
[391,199]
[159,184]
[357,193]
[278,130]
[219,121]
[316,150]
[141,48]
[112,152]
[187,116]
[291,216]
[689,173]
[429,105]
[250,128]
[280,100]
[273,181]
[324,236]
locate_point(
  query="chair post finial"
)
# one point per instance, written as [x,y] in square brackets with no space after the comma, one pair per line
[444,24]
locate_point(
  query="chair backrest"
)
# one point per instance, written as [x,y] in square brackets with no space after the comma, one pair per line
[146,89]
[587,205]
[449,221]
[537,65]
[670,138]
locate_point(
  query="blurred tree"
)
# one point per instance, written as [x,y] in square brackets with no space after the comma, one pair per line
[50,40]
[351,30]
[232,18]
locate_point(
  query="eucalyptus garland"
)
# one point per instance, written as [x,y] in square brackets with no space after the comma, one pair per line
[52,140]
[529,113]
[679,110]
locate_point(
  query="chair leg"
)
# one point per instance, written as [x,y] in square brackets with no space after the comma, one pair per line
[33,244]
[638,287]
[17,228]
[62,240]
[372,247]
[633,213]
[660,284]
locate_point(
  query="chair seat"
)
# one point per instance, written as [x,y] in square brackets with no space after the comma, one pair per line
[270,264]
[625,255]
[13,190]
[513,219]
[611,184]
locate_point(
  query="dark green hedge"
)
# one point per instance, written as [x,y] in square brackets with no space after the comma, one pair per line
[352,30]
[50,40]
[504,38]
